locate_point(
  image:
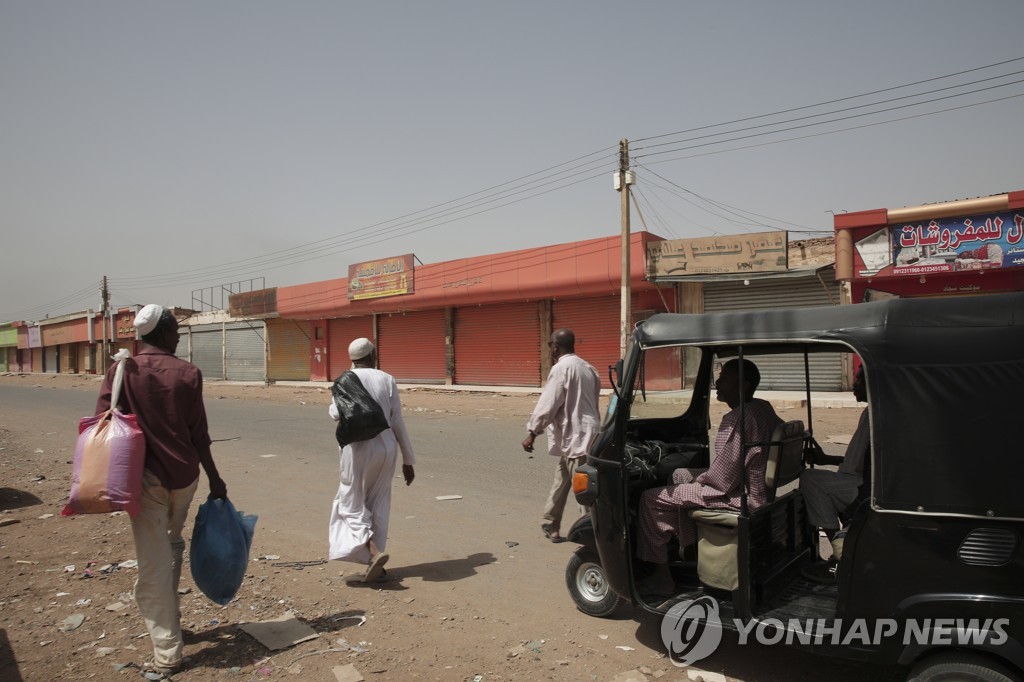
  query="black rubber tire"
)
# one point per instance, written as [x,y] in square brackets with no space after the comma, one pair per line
[584,576]
[960,666]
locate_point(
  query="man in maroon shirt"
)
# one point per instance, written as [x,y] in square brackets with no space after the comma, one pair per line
[165,393]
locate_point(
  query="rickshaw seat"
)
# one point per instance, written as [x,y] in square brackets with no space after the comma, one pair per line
[717,534]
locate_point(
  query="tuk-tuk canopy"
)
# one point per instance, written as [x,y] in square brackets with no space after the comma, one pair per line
[944,378]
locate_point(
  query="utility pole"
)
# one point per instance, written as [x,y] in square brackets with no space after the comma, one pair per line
[625,179]
[105,294]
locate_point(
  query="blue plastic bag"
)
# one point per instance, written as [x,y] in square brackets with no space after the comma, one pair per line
[219,553]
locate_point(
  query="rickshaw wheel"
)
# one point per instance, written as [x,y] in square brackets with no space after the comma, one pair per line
[585,578]
[959,667]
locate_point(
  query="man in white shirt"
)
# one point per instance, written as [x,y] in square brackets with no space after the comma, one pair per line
[568,413]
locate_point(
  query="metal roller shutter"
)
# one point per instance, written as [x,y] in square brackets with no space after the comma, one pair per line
[783,372]
[341,332]
[184,349]
[412,347]
[208,351]
[50,363]
[595,322]
[498,345]
[246,356]
[37,360]
[288,358]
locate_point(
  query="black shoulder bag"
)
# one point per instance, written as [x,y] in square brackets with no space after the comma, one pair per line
[360,416]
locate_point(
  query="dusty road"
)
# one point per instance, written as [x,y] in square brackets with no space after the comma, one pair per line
[473,589]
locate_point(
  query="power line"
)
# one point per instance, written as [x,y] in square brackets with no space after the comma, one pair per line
[349,247]
[829,132]
[348,237]
[832,101]
[688,219]
[738,212]
[655,214]
[37,311]
[819,123]
[837,111]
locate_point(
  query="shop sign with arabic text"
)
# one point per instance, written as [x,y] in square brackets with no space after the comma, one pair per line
[757,252]
[379,278]
[986,242]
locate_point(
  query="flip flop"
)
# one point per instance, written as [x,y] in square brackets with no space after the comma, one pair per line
[376,568]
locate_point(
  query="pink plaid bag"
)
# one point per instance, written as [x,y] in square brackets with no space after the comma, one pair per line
[109,457]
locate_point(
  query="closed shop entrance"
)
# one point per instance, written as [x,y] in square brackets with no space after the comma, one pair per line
[498,345]
[245,351]
[288,354]
[208,350]
[411,346]
[51,359]
[784,372]
[340,333]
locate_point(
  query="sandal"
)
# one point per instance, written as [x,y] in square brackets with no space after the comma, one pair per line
[376,568]
[550,533]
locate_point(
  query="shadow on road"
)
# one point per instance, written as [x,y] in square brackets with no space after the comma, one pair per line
[433,572]
[8,664]
[11,498]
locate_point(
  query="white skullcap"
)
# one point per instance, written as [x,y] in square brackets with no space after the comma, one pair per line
[147,318]
[359,349]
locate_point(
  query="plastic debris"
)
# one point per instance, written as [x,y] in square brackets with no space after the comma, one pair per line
[448,497]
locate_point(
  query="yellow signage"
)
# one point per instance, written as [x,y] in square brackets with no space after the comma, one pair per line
[379,278]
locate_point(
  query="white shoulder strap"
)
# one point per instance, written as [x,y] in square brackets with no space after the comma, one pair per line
[115,391]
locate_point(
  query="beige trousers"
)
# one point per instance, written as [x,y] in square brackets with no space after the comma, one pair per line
[158,549]
[560,489]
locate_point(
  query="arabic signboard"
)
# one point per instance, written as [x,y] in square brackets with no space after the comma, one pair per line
[379,278]
[125,325]
[35,339]
[757,252]
[986,242]
[253,303]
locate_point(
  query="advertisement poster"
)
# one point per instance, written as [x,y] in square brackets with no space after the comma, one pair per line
[379,278]
[958,244]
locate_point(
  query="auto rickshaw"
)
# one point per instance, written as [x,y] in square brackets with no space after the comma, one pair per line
[934,546]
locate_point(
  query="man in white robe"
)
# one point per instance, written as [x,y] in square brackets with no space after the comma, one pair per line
[358,528]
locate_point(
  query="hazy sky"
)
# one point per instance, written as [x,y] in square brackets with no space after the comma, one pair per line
[174,146]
